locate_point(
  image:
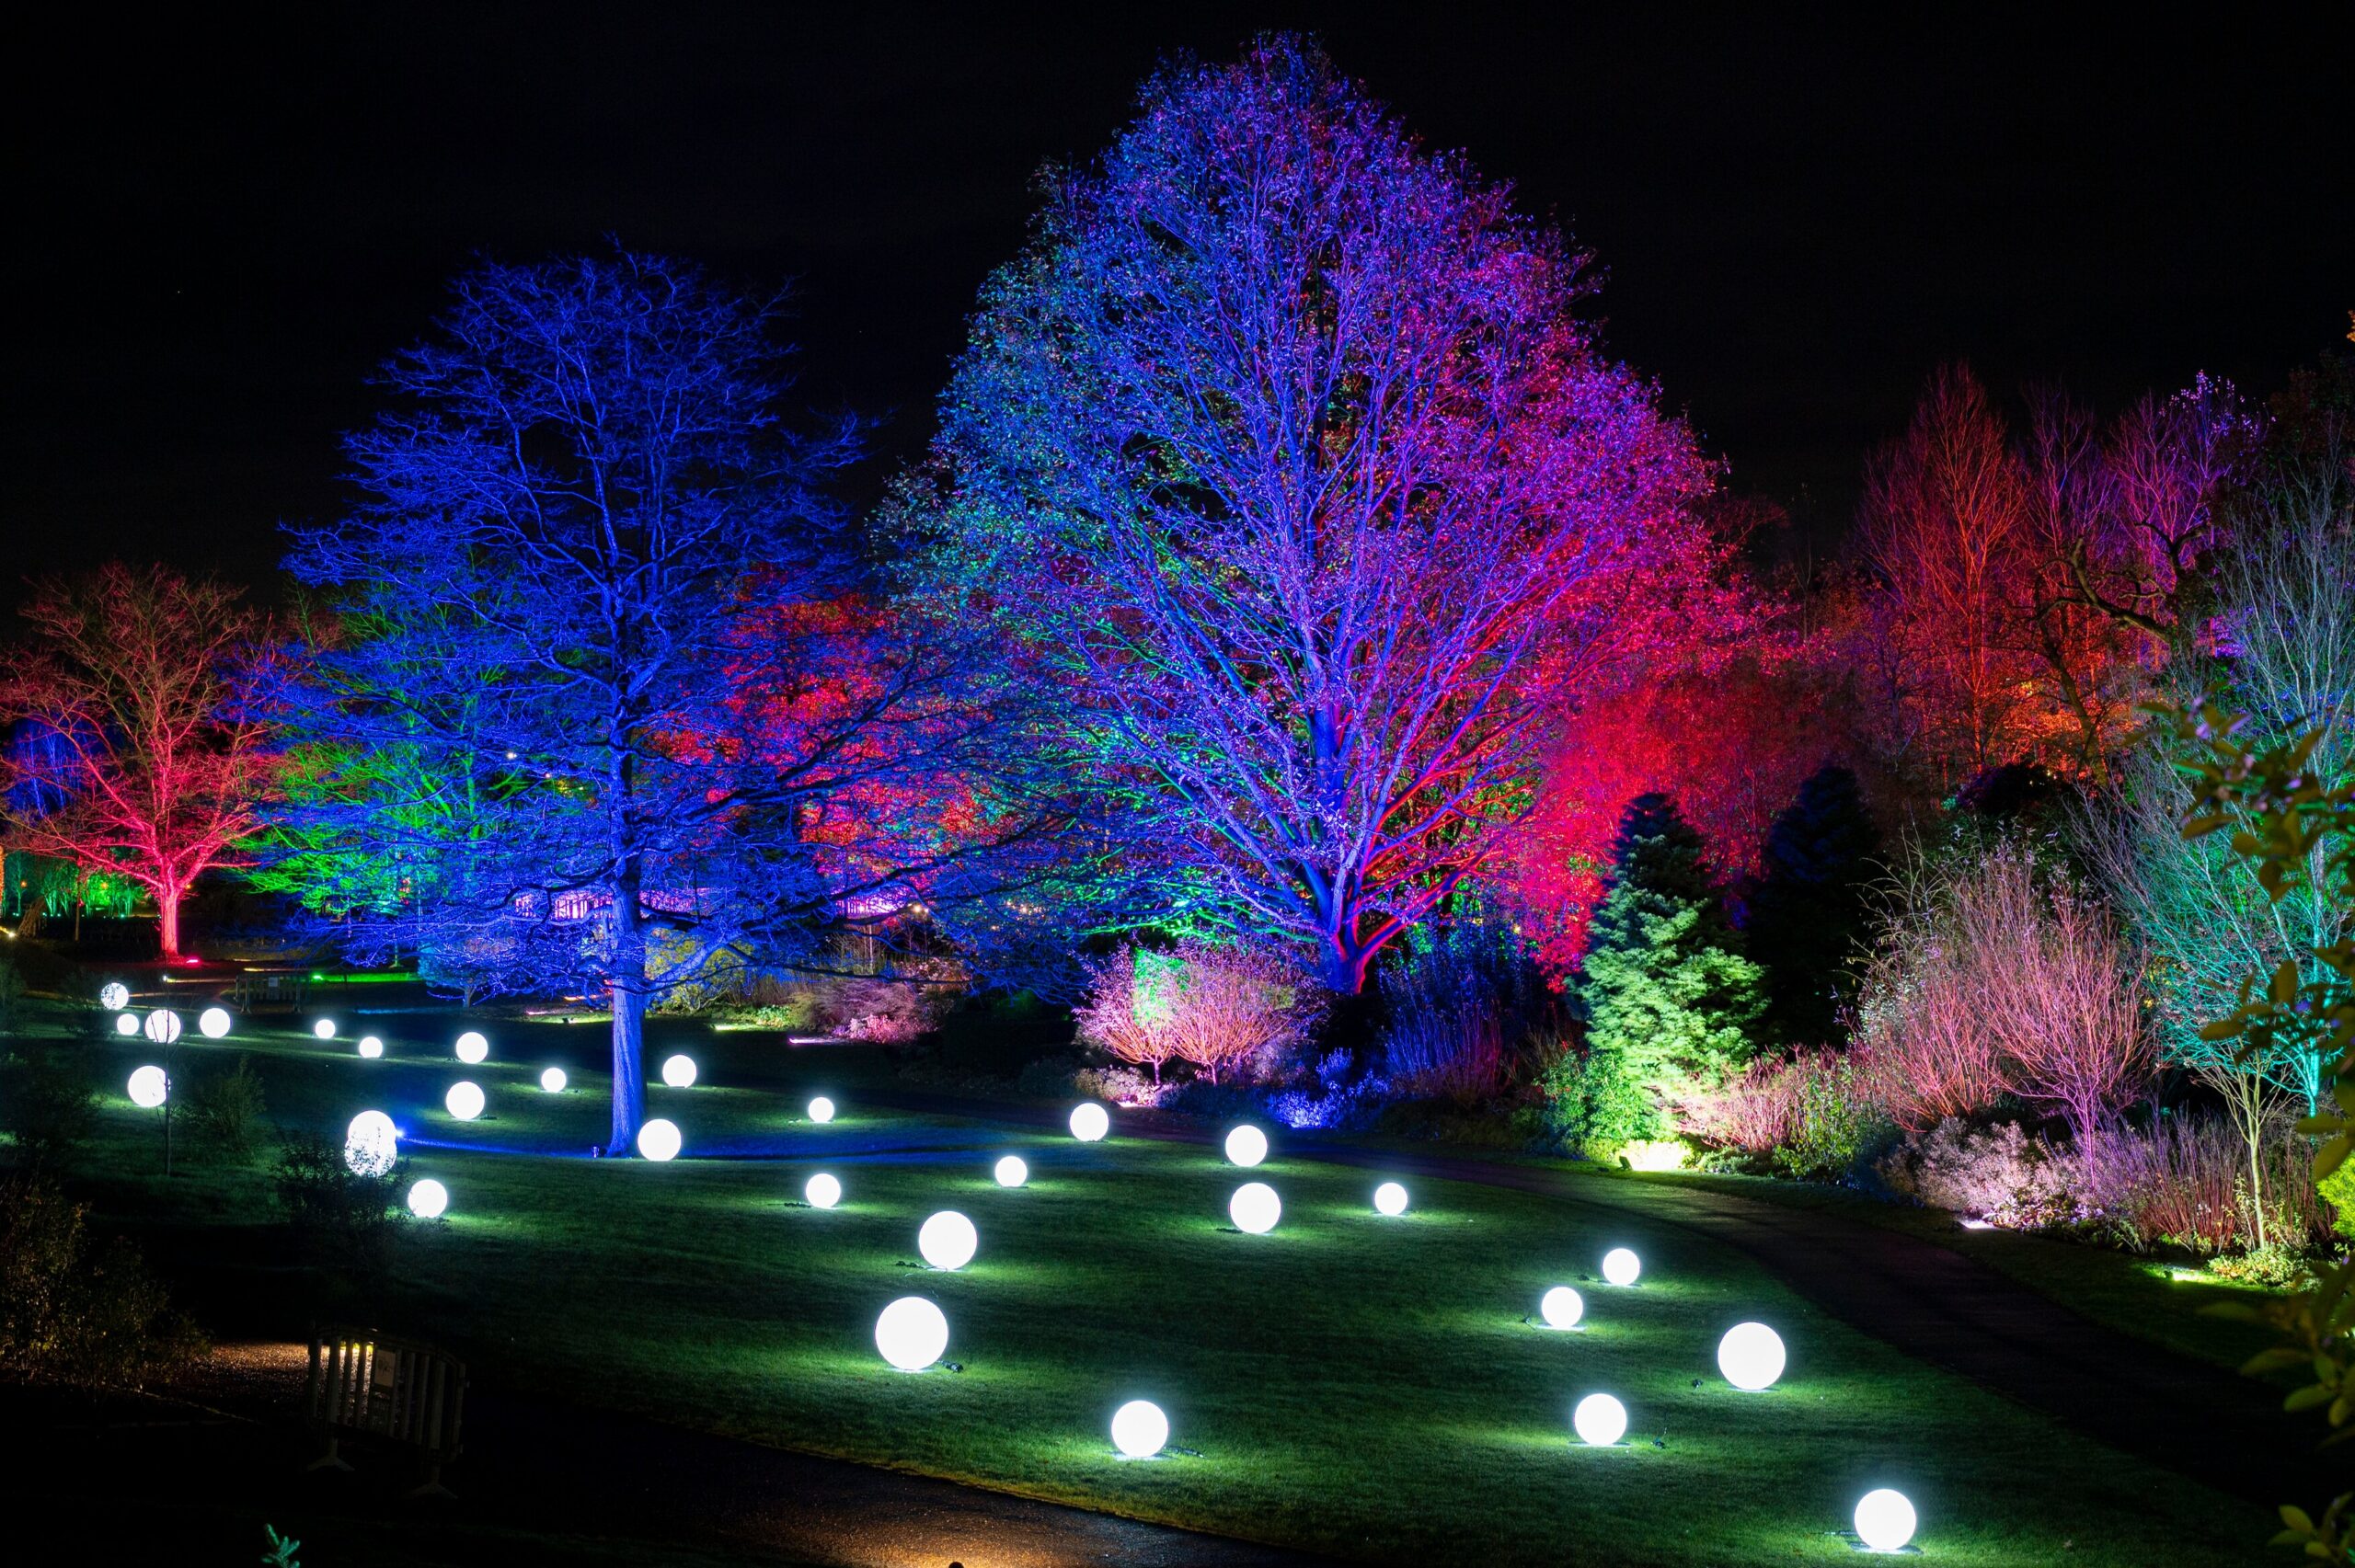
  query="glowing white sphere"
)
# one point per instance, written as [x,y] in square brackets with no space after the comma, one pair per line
[552,1082]
[1600,1420]
[371,1046]
[1011,1171]
[148,1087]
[1751,1355]
[912,1333]
[473,1048]
[948,1239]
[1090,1122]
[1255,1207]
[213,1022]
[1621,1266]
[371,1143]
[821,1109]
[323,1029]
[1390,1198]
[822,1191]
[114,996]
[659,1139]
[1139,1430]
[1561,1307]
[427,1198]
[126,1022]
[464,1100]
[163,1027]
[1885,1519]
[679,1072]
[1246,1145]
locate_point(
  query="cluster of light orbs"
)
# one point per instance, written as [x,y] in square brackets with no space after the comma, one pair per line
[1090,1122]
[213,1022]
[1751,1355]
[659,1139]
[126,1024]
[1011,1171]
[912,1333]
[464,1100]
[323,1029]
[1390,1198]
[1254,1208]
[1885,1519]
[1600,1420]
[148,1087]
[1246,1146]
[370,1048]
[948,1239]
[427,1198]
[553,1081]
[1561,1307]
[822,1191]
[163,1027]
[679,1070]
[473,1048]
[1621,1266]
[371,1144]
[821,1109]
[1139,1430]
[114,996]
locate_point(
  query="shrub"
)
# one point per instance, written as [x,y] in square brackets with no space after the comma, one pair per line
[1460,1004]
[224,1112]
[346,1219]
[1218,1009]
[1998,1173]
[1331,1096]
[2185,1182]
[47,1105]
[2274,1267]
[1120,1084]
[73,1311]
[1592,1103]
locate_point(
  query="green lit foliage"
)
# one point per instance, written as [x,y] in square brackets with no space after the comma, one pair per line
[53,888]
[1807,919]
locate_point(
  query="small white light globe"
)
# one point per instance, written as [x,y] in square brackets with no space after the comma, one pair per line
[1885,1519]
[948,1239]
[213,1022]
[1090,1122]
[464,1100]
[552,1082]
[323,1029]
[1601,1420]
[821,1109]
[1561,1307]
[822,1191]
[1621,1266]
[1255,1207]
[371,1144]
[163,1027]
[912,1333]
[148,1087]
[427,1198]
[1139,1430]
[659,1139]
[1751,1355]
[126,1022]
[1390,1198]
[1011,1171]
[679,1072]
[473,1048]
[1246,1145]
[371,1046]
[114,996]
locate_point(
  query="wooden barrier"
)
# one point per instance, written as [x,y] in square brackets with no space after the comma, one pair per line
[368,1385]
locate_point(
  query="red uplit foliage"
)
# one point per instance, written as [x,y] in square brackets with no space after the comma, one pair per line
[131,760]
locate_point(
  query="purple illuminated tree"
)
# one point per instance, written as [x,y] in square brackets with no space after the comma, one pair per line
[1281,457]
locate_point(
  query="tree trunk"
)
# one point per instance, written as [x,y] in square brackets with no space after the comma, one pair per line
[629,1068]
[168,906]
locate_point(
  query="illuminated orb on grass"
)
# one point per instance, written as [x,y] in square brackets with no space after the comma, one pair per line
[114,996]
[659,1139]
[1885,1520]
[427,1198]
[163,1027]
[1390,1198]
[1621,1266]
[323,1029]
[679,1072]
[473,1048]
[1600,1420]
[1246,1145]
[371,1046]
[1561,1307]
[912,1333]
[464,1100]
[1254,1208]
[371,1144]
[1751,1355]
[1011,1171]
[822,1191]
[213,1022]
[1139,1430]
[821,1109]
[148,1086]
[126,1022]
[553,1081]
[948,1239]
[1090,1122]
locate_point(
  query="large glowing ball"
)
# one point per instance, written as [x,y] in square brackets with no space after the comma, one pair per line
[822,1191]
[659,1139]
[464,1100]
[163,1027]
[323,1029]
[1885,1520]
[473,1048]
[148,1087]
[1621,1266]
[114,996]
[1600,1420]
[1561,1307]
[126,1022]
[1246,1145]
[821,1109]
[1751,1355]
[948,1239]
[679,1072]
[1139,1430]
[1255,1207]
[1390,1198]
[912,1333]
[371,1143]
[213,1022]
[427,1198]
[1090,1122]
[371,1046]
[552,1082]
[1011,1171]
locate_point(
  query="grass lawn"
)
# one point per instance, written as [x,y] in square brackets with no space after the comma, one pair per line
[1350,1383]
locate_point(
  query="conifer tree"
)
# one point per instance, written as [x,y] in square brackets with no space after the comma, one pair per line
[1808,916]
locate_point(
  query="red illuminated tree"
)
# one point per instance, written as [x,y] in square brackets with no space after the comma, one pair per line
[131,757]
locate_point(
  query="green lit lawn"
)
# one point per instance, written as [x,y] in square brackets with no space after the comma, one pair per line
[1358,1385]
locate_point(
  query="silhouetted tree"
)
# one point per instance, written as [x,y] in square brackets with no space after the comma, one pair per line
[1807,917]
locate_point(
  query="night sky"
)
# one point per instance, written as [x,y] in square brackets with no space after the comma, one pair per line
[222,228]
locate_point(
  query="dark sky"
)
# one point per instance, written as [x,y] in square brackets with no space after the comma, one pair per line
[221,228]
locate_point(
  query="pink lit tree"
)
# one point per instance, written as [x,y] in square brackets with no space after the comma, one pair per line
[1212,1006]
